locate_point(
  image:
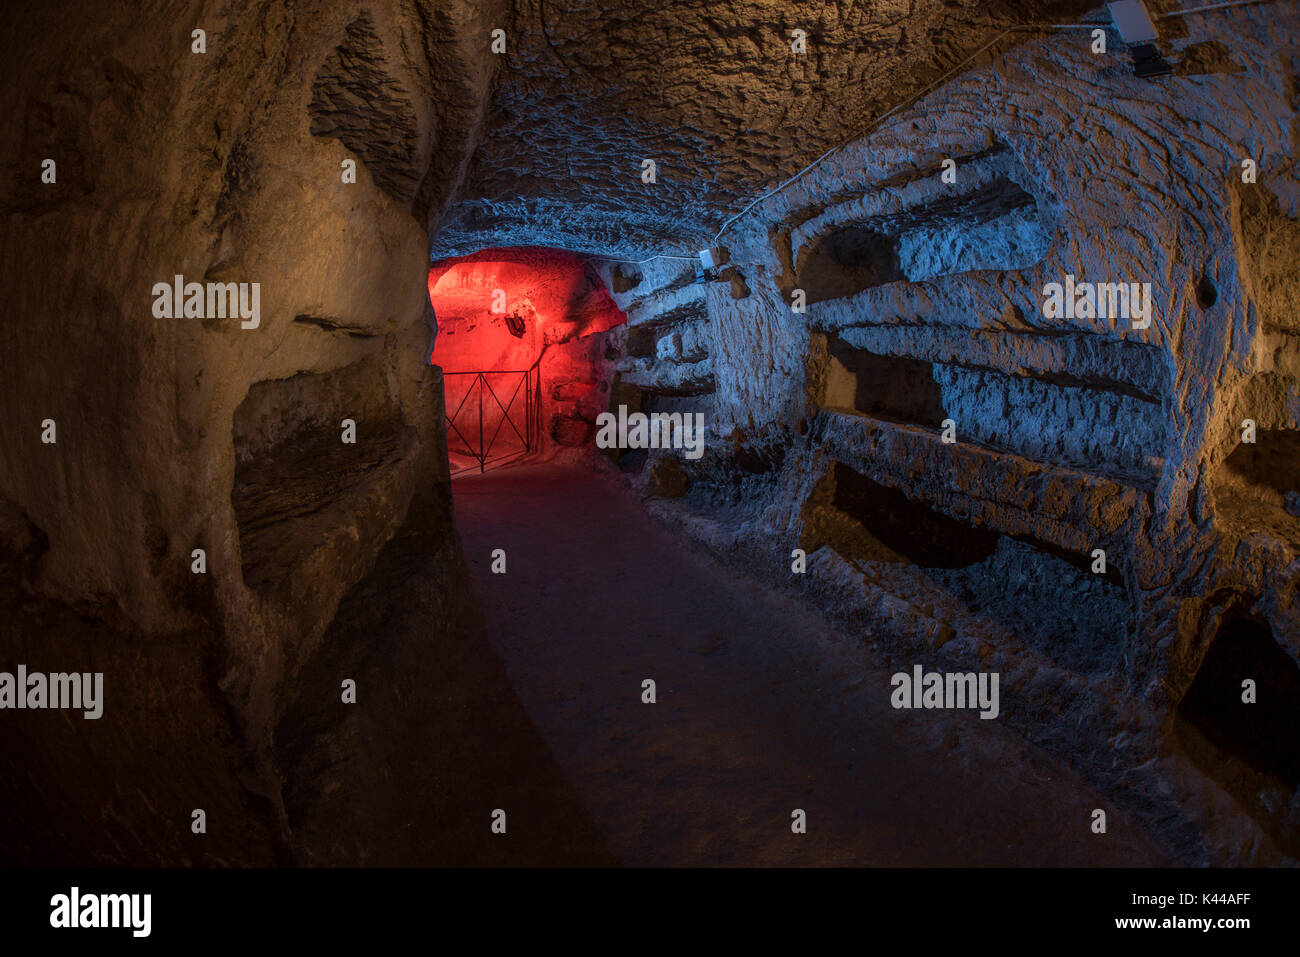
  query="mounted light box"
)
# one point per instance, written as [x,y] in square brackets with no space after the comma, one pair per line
[1138,31]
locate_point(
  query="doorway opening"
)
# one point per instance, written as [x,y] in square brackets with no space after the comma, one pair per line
[521,341]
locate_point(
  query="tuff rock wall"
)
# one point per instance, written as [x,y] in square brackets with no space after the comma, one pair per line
[925,307]
[176,434]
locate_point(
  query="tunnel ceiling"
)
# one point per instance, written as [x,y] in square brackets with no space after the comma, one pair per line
[551,295]
[711,91]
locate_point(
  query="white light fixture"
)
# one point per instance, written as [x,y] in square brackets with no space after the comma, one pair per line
[1132,21]
[707,268]
[1138,31]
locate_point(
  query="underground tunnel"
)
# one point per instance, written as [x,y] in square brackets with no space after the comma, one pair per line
[636,407]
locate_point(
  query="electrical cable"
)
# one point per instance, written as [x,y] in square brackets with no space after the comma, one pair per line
[1212,6]
[642,262]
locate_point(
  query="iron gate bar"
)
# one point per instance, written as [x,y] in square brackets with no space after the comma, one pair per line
[505,416]
[451,419]
[532,410]
[452,422]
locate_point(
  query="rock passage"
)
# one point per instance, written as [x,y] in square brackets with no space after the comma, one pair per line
[761,708]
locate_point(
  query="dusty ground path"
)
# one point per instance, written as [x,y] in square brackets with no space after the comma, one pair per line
[761,708]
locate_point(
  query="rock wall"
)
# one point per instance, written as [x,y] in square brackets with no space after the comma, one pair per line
[665,354]
[925,307]
[226,434]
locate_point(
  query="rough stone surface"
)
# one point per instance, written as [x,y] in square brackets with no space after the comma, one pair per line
[187,433]
[925,306]
[953,460]
[713,92]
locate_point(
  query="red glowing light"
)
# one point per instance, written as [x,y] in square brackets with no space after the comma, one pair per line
[501,308]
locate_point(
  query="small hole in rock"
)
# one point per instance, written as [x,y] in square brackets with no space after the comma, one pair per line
[1206,293]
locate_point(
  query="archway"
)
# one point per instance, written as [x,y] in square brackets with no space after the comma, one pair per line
[522,347]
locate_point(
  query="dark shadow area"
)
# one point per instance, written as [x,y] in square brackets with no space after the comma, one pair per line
[1271,462]
[179,740]
[1258,736]
[1257,489]
[848,261]
[436,720]
[641,342]
[912,245]
[1207,294]
[914,531]
[1249,749]
[898,388]
[333,325]
[1045,595]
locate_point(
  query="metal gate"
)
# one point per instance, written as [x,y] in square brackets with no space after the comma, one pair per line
[485,428]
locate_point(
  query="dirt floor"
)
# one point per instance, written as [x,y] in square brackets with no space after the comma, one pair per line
[763,708]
